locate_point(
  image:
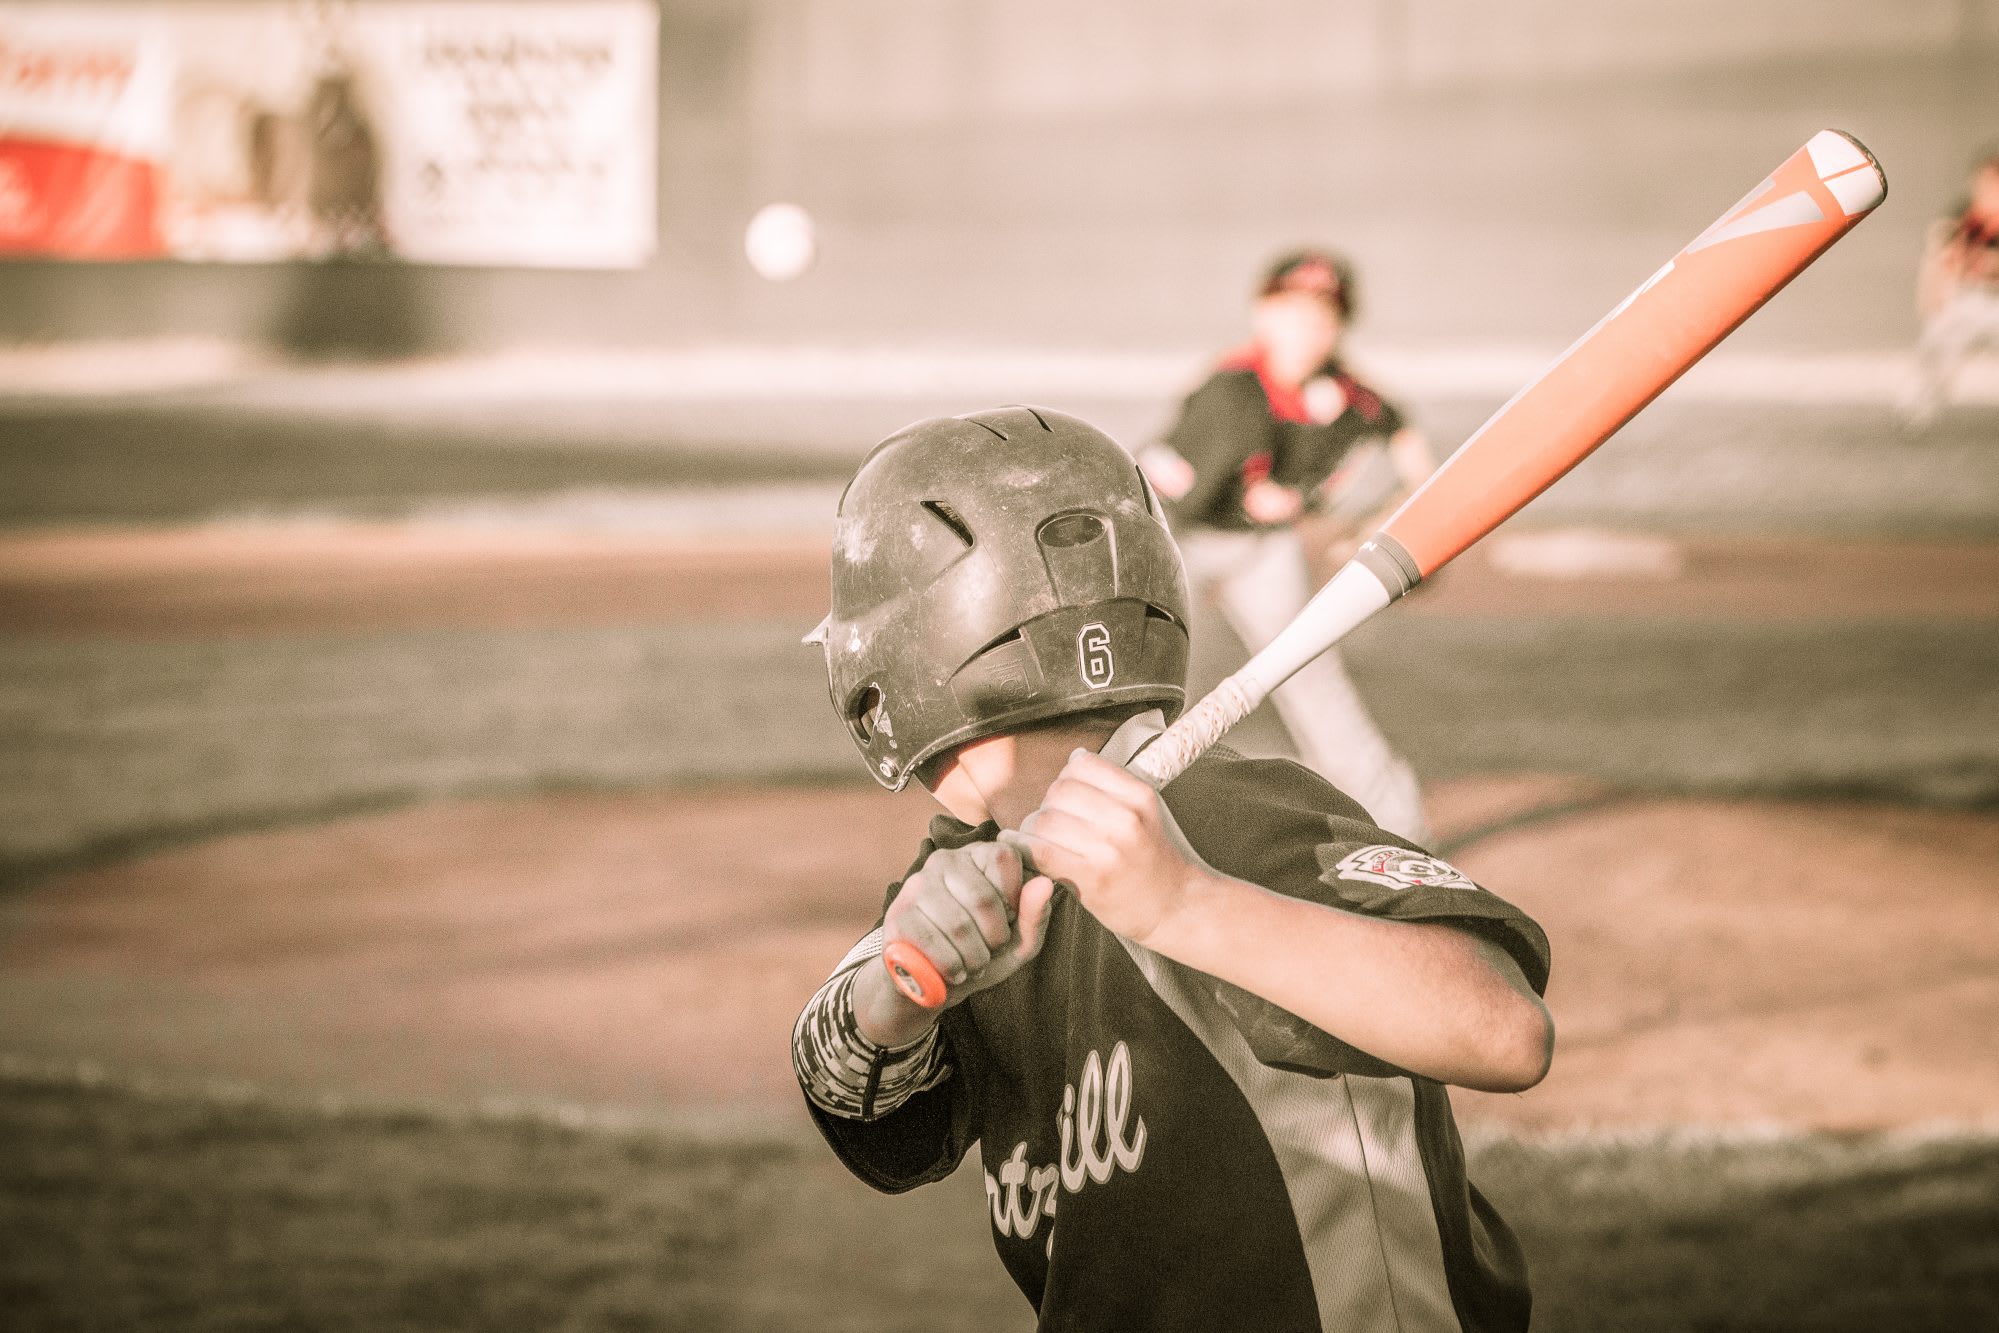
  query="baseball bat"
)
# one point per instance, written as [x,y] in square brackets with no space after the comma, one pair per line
[1647,341]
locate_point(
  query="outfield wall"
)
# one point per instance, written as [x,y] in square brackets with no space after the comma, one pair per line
[1031,174]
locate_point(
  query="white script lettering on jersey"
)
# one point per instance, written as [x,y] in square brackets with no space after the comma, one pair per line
[1097,1140]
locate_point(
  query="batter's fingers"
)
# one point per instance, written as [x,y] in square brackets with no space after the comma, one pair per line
[1000,863]
[951,916]
[1016,842]
[920,928]
[1052,857]
[981,899]
[1070,833]
[1037,900]
[1115,779]
[1108,811]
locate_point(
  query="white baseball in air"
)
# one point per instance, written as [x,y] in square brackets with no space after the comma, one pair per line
[780,242]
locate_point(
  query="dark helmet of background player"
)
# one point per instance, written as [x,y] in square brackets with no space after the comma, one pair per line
[995,570]
[1320,272]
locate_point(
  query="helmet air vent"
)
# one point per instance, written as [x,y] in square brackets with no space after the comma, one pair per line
[1080,552]
[1077,528]
[950,518]
[1145,489]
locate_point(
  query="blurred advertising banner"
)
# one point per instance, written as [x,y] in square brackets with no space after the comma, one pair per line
[84,112]
[492,132]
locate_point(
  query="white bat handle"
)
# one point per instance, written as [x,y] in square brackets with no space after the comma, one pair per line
[1354,594]
[1198,728]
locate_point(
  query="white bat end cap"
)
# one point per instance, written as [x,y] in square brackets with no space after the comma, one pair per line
[1848,170]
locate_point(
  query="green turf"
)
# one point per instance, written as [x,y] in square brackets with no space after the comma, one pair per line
[1688,465]
[110,746]
[127,1210]
[128,1207]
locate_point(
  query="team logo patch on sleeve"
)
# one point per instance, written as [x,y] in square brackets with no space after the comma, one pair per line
[1400,868]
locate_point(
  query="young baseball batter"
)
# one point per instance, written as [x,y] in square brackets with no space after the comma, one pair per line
[1282,430]
[1205,1074]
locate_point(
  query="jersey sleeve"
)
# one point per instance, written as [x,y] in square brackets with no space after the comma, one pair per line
[921,1141]
[1368,414]
[1386,418]
[1222,426]
[1276,824]
[924,1138]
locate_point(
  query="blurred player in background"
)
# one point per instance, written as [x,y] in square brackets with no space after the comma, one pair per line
[1280,441]
[1957,291]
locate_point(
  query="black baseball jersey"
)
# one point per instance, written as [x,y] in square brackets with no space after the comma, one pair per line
[1240,426]
[1165,1151]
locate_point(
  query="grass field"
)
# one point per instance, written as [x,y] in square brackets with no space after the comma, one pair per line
[111,745]
[136,1206]
[1684,463]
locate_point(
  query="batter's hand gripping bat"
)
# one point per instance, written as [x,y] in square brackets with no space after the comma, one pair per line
[1645,343]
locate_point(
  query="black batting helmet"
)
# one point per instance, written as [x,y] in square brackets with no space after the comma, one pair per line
[994,570]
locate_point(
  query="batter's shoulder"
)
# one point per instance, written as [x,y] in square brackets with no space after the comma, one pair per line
[1238,811]
[1225,775]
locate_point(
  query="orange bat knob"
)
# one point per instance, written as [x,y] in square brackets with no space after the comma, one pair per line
[913,974]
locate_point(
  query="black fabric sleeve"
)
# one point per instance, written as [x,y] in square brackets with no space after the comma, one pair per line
[1391,420]
[1368,412]
[1277,824]
[921,1141]
[1221,426]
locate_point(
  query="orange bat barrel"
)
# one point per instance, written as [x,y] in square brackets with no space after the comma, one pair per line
[1634,352]
[1644,344]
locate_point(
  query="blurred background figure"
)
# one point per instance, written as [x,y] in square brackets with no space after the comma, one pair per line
[1279,434]
[323,165]
[1957,291]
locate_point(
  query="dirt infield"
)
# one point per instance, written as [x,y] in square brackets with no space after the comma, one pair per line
[1716,964]
[300,577]
[1830,965]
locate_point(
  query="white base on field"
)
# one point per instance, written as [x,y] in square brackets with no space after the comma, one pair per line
[1584,553]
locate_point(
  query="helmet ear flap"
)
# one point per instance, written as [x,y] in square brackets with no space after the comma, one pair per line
[865,714]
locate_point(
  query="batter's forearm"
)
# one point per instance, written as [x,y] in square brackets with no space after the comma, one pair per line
[884,1014]
[846,1073]
[1425,997]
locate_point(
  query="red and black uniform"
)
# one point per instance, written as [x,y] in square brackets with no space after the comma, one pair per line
[1961,311]
[1975,241]
[1163,1150]
[1240,426]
